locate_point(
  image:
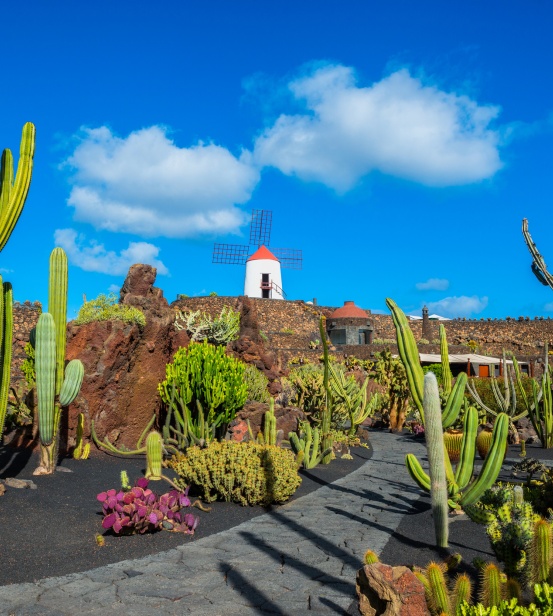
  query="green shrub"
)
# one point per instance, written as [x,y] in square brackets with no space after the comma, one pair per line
[436,369]
[256,383]
[203,389]
[106,308]
[201,326]
[245,473]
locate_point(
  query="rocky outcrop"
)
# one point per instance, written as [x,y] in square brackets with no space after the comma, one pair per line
[390,591]
[124,363]
[253,412]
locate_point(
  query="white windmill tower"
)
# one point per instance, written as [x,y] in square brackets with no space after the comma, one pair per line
[263,277]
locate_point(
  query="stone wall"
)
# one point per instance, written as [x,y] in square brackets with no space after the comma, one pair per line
[25,317]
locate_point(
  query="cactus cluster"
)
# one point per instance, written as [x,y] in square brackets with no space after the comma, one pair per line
[139,510]
[307,446]
[219,330]
[462,489]
[202,391]
[409,355]
[247,473]
[82,449]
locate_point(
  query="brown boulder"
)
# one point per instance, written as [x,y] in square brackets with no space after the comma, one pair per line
[390,591]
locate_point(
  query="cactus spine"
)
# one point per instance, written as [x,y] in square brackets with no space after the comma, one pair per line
[541,553]
[154,455]
[56,385]
[435,447]
[491,593]
[438,588]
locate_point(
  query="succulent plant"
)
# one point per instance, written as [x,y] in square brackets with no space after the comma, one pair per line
[139,510]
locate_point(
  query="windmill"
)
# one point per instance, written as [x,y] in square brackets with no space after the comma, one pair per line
[263,278]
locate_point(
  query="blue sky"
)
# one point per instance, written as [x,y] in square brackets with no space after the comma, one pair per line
[398,144]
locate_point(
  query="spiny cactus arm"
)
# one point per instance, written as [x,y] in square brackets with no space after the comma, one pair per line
[105,444]
[491,593]
[409,354]
[417,473]
[538,265]
[12,203]
[6,335]
[74,374]
[492,463]
[444,353]
[454,401]
[439,597]
[79,448]
[462,591]
[463,473]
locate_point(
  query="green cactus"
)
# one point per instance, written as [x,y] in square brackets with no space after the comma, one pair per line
[409,355]
[492,591]
[154,456]
[506,401]
[541,555]
[57,386]
[14,193]
[436,455]
[370,557]
[269,429]
[307,446]
[446,371]
[202,391]
[438,588]
[82,449]
[540,407]
[12,199]
[440,599]
[6,333]
[461,490]
[326,412]
[352,397]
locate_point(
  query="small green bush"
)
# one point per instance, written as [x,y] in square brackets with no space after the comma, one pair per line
[106,308]
[257,383]
[245,473]
[436,369]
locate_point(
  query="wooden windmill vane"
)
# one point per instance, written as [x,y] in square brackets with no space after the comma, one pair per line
[263,277]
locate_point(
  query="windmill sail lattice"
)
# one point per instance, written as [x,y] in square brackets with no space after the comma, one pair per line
[260,235]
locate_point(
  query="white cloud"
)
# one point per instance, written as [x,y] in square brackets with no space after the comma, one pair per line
[433,284]
[147,185]
[397,126]
[114,288]
[462,306]
[94,257]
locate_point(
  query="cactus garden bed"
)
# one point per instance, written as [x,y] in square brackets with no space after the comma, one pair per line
[51,531]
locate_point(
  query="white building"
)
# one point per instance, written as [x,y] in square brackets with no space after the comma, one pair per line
[263,277]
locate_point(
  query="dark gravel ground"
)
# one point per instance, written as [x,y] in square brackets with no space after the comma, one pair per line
[51,531]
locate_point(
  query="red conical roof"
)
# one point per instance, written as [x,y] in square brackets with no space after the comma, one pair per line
[262,253]
[349,310]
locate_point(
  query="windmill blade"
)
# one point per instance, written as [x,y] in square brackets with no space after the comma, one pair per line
[290,258]
[232,254]
[260,227]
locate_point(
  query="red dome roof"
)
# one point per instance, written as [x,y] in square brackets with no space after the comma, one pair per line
[262,253]
[349,310]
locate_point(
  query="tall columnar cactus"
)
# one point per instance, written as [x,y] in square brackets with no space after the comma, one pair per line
[444,353]
[541,553]
[269,428]
[12,199]
[57,385]
[436,456]
[6,331]
[14,193]
[409,355]
[462,491]
[326,412]
[539,268]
